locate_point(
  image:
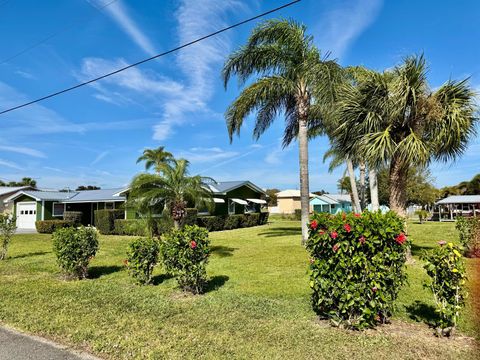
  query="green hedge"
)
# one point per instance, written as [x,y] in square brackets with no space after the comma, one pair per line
[229,222]
[298,214]
[233,221]
[263,218]
[211,223]
[132,227]
[75,216]
[49,226]
[105,220]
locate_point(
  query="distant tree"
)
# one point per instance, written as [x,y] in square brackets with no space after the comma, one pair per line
[87,187]
[471,187]
[272,196]
[158,159]
[26,181]
[321,192]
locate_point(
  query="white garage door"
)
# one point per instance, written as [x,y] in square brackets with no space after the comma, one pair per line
[26,215]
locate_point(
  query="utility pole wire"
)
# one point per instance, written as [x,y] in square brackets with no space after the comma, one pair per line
[150,58]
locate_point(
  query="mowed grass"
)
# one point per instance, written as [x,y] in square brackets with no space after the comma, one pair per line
[257,304]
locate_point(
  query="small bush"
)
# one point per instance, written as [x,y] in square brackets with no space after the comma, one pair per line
[105,220]
[131,227]
[446,269]
[74,248]
[49,226]
[73,216]
[469,234]
[298,214]
[234,221]
[185,254]
[252,219]
[142,256]
[422,215]
[357,266]
[211,223]
[190,217]
[263,218]
[7,229]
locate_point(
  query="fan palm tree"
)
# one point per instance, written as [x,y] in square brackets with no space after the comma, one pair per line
[394,118]
[291,77]
[172,189]
[156,158]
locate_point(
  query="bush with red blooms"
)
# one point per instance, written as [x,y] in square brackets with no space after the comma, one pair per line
[357,266]
[185,255]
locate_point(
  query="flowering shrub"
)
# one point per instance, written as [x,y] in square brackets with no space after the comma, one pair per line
[7,229]
[357,266]
[446,269]
[469,234]
[185,254]
[74,248]
[142,256]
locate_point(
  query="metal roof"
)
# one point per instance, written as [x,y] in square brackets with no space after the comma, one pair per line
[291,193]
[11,189]
[47,195]
[96,196]
[339,197]
[460,199]
[326,199]
[226,186]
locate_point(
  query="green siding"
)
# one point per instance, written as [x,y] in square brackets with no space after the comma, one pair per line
[48,209]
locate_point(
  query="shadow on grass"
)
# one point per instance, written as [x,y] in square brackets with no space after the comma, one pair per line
[96,272]
[419,311]
[158,279]
[215,282]
[282,231]
[222,251]
[38,253]
[418,250]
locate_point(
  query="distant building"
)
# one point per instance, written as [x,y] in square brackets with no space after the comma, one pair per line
[287,202]
[457,205]
[331,203]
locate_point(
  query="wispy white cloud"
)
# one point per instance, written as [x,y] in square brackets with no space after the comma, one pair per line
[54,169]
[25,75]
[120,14]
[206,155]
[10,164]
[340,26]
[23,150]
[100,157]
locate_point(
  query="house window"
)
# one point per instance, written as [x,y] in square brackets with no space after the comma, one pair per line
[251,207]
[58,209]
[109,205]
[231,207]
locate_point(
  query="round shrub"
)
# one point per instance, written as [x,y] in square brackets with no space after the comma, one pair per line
[446,269]
[185,255]
[357,266]
[142,256]
[74,248]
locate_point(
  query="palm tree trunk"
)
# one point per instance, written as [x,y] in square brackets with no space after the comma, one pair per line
[362,168]
[398,186]
[303,159]
[372,181]
[353,186]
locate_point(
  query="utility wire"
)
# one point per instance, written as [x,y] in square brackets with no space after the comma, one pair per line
[150,58]
[51,36]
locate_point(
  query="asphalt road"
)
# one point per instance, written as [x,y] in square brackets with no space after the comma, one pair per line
[18,346]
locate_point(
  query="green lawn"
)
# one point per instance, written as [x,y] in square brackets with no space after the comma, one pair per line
[257,304]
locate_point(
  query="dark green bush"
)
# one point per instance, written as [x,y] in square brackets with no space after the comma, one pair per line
[132,227]
[446,269]
[298,214]
[357,266]
[263,218]
[185,254]
[469,234]
[142,256]
[49,226]
[234,221]
[105,220]
[73,216]
[251,220]
[74,248]
[211,223]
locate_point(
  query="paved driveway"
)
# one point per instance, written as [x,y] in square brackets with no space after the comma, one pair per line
[25,231]
[17,346]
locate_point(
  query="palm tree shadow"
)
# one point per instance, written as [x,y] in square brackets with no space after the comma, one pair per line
[418,250]
[282,231]
[421,312]
[222,251]
[215,282]
[158,279]
[37,253]
[96,272]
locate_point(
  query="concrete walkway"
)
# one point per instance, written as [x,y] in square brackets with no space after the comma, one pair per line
[18,346]
[25,231]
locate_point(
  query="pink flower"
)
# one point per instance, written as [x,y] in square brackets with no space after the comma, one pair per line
[362,239]
[441,243]
[312,261]
[400,238]
[193,244]
[357,215]
[374,289]
[314,225]
[333,234]
[335,247]
[347,228]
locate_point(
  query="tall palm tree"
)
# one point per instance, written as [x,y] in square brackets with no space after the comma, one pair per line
[157,159]
[396,119]
[291,77]
[172,189]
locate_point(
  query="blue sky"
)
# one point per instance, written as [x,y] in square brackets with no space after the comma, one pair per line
[95,134]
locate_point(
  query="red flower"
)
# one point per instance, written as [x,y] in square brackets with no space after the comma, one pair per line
[362,239]
[333,234]
[335,247]
[321,232]
[400,238]
[347,228]
[314,225]
[374,289]
[357,215]
[193,244]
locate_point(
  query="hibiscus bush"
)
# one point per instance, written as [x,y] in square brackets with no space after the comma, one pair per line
[357,266]
[142,256]
[185,255]
[446,269]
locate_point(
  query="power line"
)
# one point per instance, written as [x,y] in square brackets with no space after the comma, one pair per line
[150,58]
[51,36]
